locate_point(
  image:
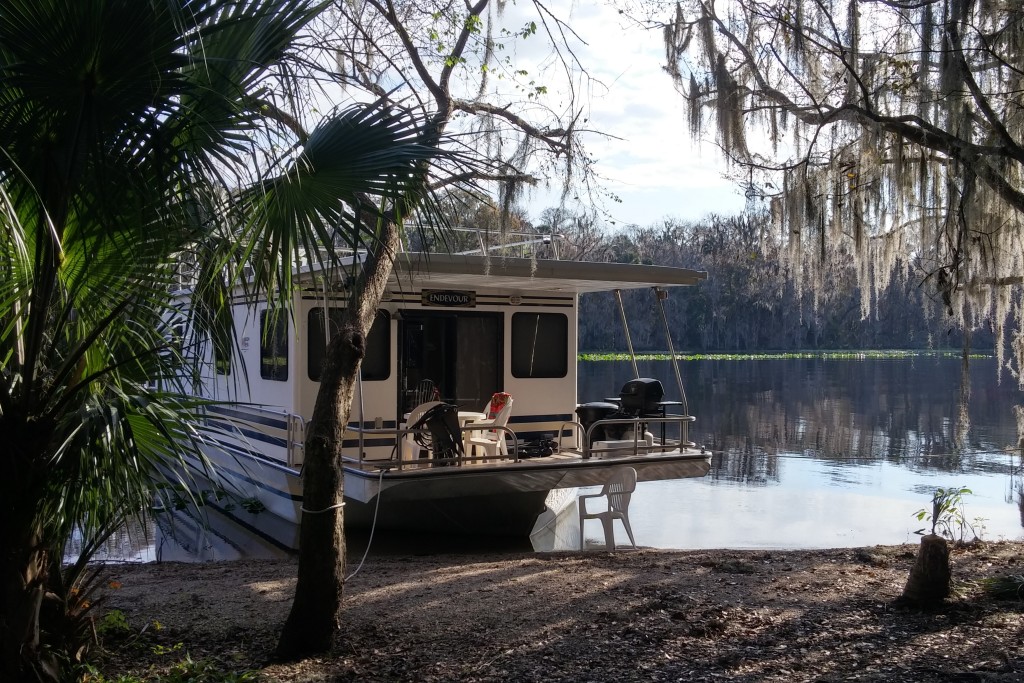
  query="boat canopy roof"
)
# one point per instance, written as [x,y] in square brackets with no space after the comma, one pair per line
[462,271]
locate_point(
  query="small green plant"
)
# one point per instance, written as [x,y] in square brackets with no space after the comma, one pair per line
[947,515]
[162,650]
[187,670]
[114,624]
[1005,587]
[191,670]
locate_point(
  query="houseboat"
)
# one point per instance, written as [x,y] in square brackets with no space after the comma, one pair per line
[468,333]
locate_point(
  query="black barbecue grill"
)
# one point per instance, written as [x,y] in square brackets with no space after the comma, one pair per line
[640,397]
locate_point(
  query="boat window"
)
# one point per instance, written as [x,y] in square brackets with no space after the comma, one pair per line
[174,332]
[221,356]
[274,346]
[177,342]
[540,345]
[377,361]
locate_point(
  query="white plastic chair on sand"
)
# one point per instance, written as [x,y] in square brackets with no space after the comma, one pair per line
[618,491]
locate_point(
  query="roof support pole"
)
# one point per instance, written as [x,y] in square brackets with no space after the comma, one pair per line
[625,327]
[661,294]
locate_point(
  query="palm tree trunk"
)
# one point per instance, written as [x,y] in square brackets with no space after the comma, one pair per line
[315,617]
[23,576]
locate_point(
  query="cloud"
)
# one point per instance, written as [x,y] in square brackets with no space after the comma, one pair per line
[651,162]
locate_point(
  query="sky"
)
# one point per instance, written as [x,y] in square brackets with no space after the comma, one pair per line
[652,164]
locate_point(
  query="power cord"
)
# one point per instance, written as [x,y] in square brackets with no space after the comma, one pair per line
[373,526]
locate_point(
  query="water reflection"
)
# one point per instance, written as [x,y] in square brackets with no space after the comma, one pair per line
[207,535]
[844,412]
[183,535]
[808,453]
[817,453]
[133,542]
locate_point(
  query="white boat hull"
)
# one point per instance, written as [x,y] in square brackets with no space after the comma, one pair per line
[503,499]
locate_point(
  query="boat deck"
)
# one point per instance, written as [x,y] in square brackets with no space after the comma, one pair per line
[610,456]
[501,474]
[641,446]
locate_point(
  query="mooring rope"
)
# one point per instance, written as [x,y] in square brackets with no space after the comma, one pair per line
[373,526]
[336,506]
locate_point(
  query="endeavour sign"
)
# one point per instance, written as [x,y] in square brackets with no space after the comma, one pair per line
[448,297]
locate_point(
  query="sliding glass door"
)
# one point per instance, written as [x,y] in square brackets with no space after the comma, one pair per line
[458,354]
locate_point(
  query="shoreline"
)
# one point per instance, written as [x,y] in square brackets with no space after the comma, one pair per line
[693,615]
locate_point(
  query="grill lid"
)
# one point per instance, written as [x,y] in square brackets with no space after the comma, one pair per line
[641,395]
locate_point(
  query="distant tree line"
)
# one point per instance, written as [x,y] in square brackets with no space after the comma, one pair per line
[752,299]
[756,297]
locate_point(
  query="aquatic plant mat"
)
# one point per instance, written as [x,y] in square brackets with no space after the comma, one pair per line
[819,615]
[867,354]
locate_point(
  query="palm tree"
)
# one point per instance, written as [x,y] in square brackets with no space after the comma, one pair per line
[138,136]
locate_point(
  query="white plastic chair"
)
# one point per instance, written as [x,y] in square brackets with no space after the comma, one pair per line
[486,434]
[413,444]
[618,491]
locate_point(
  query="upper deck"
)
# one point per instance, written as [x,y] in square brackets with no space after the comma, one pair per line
[541,275]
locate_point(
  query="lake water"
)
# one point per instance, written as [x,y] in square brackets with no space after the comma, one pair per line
[807,453]
[827,453]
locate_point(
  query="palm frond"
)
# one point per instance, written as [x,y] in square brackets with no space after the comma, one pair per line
[360,154]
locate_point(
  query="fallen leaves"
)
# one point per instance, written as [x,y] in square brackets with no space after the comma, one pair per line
[823,615]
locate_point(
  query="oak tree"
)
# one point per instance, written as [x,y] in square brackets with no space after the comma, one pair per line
[894,127]
[450,65]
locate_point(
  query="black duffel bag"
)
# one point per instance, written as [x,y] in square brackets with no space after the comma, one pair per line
[537,448]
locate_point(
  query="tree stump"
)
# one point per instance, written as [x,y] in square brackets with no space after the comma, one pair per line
[930,580]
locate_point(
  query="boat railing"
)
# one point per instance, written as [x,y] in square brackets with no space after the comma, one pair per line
[394,438]
[577,430]
[276,428]
[513,447]
[296,439]
[637,445]
[516,243]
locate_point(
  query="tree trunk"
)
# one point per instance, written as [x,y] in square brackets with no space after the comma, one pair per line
[24,553]
[315,616]
[930,580]
[24,587]
[23,573]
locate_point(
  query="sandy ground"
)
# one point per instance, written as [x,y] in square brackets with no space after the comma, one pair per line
[646,615]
